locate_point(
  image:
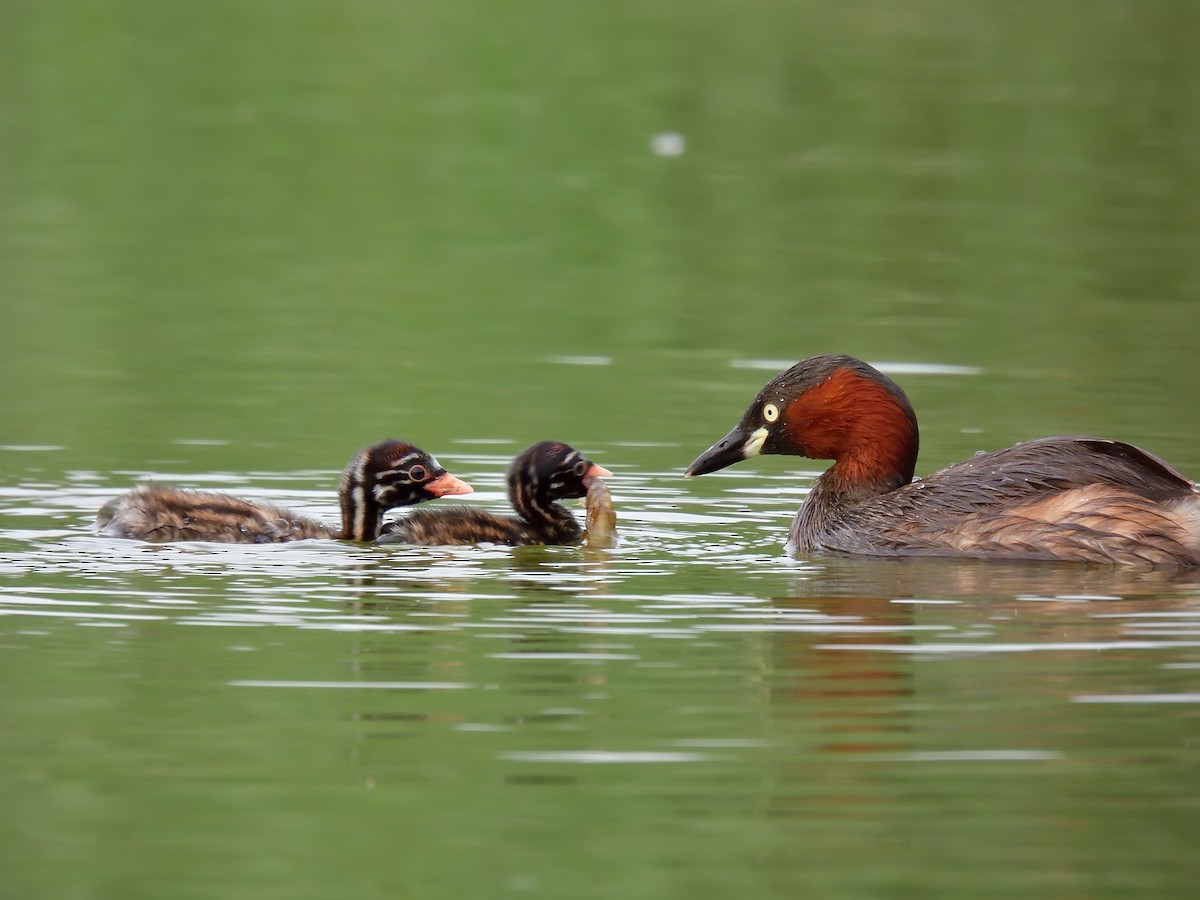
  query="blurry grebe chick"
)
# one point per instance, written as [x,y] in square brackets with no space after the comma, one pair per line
[544,473]
[1069,498]
[382,476]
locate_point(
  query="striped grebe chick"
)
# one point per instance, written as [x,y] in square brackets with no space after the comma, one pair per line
[378,478]
[538,477]
[1058,498]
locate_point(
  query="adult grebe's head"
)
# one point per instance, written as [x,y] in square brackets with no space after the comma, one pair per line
[826,407]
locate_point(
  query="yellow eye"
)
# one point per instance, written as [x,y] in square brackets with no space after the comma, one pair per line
[770,412]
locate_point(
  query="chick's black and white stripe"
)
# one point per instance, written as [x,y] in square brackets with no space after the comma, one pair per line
[380,477]
[543,474]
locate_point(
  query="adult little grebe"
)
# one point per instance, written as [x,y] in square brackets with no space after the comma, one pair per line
[1065,498]
[546,472]
[382,476]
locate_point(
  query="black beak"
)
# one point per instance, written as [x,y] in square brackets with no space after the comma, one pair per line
[725,452]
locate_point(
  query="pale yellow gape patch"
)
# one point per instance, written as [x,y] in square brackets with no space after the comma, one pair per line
[754,444]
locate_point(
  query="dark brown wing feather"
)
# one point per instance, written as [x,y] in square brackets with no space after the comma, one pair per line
[1060,463]
[1076,498]
[463,525]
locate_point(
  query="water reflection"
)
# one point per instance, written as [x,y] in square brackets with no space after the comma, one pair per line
[693,671]
[695,647]
[950,579]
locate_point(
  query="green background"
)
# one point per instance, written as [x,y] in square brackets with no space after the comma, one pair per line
[240,240]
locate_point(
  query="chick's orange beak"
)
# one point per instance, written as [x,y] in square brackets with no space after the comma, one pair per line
[447,484]
[597,472]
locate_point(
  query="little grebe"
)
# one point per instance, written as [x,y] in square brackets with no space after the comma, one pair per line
[1064,498]
[382,476]
[546,472]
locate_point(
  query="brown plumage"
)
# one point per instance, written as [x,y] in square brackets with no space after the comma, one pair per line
[1066,498]
[546,472]
[379,478]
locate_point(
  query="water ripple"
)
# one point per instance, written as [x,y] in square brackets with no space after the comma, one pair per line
[697,562]
[604,757]
[358,685]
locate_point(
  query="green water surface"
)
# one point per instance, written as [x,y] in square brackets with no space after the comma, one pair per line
[238,241]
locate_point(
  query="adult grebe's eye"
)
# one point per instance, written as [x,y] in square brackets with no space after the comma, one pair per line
[770,412]
[417,473]
[580,467]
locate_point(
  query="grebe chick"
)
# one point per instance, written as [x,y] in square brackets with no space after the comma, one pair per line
[546,472]
[1058,498]
[382,476]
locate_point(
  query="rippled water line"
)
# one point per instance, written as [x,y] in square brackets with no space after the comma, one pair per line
[583,616]
[604,757]
[149,596]
[974,756]
[668,531]
[244,621]
[81,615]
[1063,598]
[378,627]
[573,657]
[1161,628]
[358,685]
[26,600]
[934,649]
[891,368]
[1137,698]
[665,631]
[831,628]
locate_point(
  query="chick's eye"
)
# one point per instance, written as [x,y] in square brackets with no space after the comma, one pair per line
[770,412]
[579,468]
[417,473]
